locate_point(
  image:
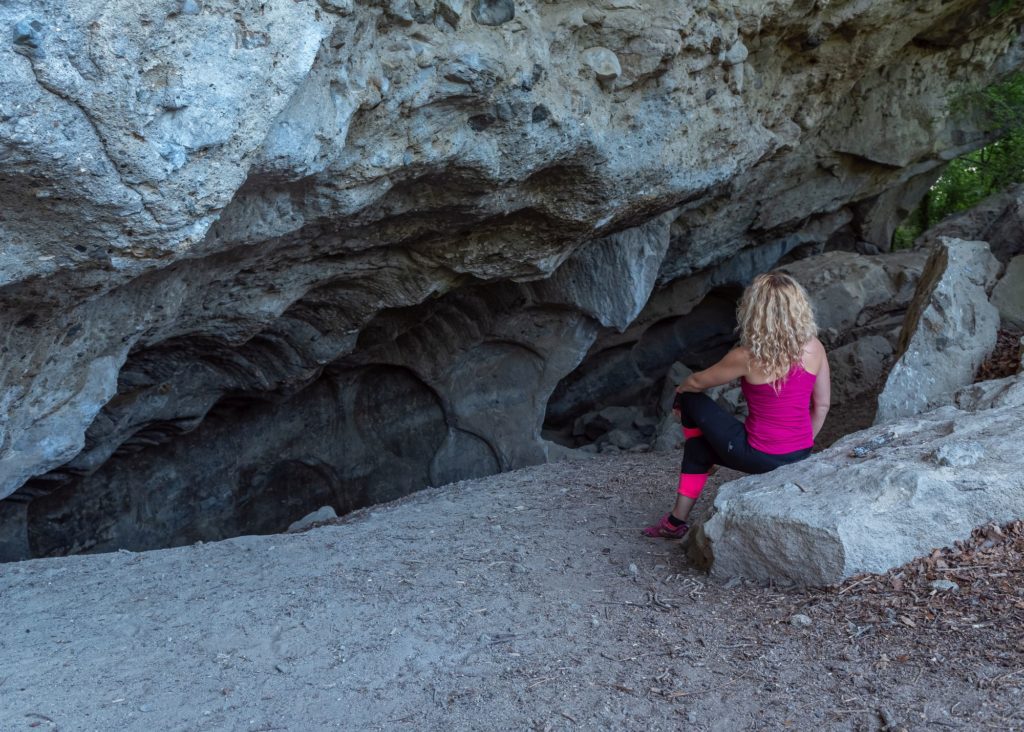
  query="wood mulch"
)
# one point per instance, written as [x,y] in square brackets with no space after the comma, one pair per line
[986,573]
[1005,359]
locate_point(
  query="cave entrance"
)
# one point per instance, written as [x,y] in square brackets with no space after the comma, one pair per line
[619,396]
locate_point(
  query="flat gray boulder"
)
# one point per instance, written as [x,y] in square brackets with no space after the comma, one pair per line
[876,499]
[949,329]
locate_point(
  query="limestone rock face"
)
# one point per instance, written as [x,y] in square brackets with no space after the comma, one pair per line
[856,295]
[949,330]
[1008,294]
[999,220]
[216,215]
[877,498]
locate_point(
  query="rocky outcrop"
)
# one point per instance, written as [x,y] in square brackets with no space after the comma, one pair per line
[1008,295]
[999,220]
[217,214]
[860,302]
[875,499]
[949,330]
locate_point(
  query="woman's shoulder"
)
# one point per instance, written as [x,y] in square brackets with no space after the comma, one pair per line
[814,346]
[814,355]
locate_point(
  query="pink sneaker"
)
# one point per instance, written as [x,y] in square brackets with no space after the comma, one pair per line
[666,530]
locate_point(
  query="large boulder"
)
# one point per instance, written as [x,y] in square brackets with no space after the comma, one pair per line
[949,330]
[999,220]
[1008,294]
[856,295]
[877,498]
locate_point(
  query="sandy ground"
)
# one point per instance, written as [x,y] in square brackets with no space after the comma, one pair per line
[523,601]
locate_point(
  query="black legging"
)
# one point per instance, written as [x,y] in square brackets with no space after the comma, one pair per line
[724,440]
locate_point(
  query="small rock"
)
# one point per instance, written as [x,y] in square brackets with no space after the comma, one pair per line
[623,439]
[691,717]
[604,63]
[634,572]
[800,620]
[28,37]
[959,454]
[324,513]
[493,12]
[943,585]
[190,7]
[736,55]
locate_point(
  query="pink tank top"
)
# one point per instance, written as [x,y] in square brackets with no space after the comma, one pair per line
[780,422]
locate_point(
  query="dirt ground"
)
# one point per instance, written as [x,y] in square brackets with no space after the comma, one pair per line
[522,601]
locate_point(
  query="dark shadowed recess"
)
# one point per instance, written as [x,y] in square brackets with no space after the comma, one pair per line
[633,374]
[333,444]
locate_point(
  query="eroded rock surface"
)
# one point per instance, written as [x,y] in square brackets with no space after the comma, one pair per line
[949,330]
[877,498]
[216,211]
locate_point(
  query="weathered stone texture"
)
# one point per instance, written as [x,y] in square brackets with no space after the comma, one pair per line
[949,330]
[209,208]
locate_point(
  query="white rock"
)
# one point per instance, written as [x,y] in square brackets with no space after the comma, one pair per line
[949,330]
[604,63]
[833,515]
[324,513]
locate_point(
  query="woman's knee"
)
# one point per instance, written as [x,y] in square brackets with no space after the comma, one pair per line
[698,456]
[691,405]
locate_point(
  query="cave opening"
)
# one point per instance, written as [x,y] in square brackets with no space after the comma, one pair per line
[619,397]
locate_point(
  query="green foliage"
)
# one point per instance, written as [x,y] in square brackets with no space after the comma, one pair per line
[999,6]
[999,109]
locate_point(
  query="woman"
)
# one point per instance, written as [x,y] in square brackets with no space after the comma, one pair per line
[785,380]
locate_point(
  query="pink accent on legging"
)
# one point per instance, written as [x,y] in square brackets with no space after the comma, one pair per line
[690,432]
[691,484]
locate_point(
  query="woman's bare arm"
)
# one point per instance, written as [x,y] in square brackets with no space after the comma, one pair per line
[732,366]
[821,396]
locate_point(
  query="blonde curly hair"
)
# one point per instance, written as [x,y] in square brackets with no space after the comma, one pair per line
[775,321]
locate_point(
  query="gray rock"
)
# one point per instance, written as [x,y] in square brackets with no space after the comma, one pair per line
[676,375]
[646,426]
[669,435]
[257,256]
[836,514]
[493,12]
[800,620]
[858,367]
[597,424]
[999,220]
[960,454]
[730,398]
[560,453]
[850,290]
[603,62]
[624,439]
[324,513]
[1008,295]
[943,585]
[949,330]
